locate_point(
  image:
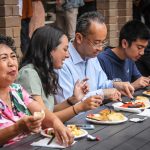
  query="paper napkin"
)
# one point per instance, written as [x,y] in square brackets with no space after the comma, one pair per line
[53,144]
[145,113]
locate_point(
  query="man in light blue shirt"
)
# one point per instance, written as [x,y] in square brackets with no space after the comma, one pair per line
[89,40]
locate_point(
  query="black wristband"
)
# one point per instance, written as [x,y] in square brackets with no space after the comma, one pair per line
[69,102]
[74,110]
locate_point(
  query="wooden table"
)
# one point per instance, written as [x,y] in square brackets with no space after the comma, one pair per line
[125,136]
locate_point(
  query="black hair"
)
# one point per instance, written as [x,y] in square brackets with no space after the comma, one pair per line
[8,41]
[43,41]
[84,21]
[132,31]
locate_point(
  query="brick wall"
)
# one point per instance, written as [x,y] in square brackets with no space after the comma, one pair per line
[10,20]
[117,13]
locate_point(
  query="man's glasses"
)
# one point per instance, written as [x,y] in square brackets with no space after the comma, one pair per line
[98,45]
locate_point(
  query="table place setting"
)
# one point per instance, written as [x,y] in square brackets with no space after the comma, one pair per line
[145,113]
[45,142]
[137,120]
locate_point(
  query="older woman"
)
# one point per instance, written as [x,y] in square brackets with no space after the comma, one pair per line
[47,51]
[17,107]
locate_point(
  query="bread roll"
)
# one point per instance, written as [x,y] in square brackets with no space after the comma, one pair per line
[39,115]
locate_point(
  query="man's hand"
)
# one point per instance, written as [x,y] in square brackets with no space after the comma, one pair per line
[81,88]
[89,103]
[141,82]
[125,88]
[112,94]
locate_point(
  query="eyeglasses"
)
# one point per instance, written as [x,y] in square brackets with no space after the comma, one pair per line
[98,45]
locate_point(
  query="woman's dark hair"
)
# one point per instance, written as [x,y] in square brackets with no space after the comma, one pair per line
[132,31]
[6,40]
[43,41]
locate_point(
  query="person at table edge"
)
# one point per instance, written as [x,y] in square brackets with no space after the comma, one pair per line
[17,106]
[90,38]
[119,62]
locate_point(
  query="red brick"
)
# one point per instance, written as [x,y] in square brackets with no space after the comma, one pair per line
[16,31]
[112,27]
[17,41]
[122,4]
[122,12]
[120,26]
[113,12]
[102,5]
[122,20]
[12,21]
[113,34]
[9,32]
[113,5]
[6,10]
[2,11]
[129,4]
[14,2]
[19,54]
[113,20]
[6,31]
[2,31]
[2,22]
[113,42]
[15,11]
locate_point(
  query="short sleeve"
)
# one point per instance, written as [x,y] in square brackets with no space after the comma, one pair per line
[30,81]
[26,97]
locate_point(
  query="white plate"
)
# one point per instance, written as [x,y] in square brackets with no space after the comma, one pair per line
[117,107]
[144,93]
[82,135]
[107,122]
[44,134]
[76,137]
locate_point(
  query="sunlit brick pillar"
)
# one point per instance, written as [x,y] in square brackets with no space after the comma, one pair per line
[117,13]
[10,20]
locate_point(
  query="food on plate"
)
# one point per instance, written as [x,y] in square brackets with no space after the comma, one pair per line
[133,105]
[49,131]
[105,112]
[116,116]
[141,98]
[147,92]
[107,115]
[76,131]
[39,115]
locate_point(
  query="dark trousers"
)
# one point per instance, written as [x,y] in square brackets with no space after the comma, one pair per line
[24,35]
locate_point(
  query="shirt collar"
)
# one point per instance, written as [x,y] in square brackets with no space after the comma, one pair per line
[74,55]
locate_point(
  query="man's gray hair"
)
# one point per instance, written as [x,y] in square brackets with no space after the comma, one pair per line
[84,21]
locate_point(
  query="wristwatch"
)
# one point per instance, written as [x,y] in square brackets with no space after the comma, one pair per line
[117,80]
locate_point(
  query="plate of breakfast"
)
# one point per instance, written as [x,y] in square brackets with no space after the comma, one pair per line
[77,131]
[136,106]
[107,116]
[142,98]
[147,93]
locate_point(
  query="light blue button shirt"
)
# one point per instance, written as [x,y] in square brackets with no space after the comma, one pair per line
[75,68]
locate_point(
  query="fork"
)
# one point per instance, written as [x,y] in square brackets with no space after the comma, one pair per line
[132,99]
[50,141]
